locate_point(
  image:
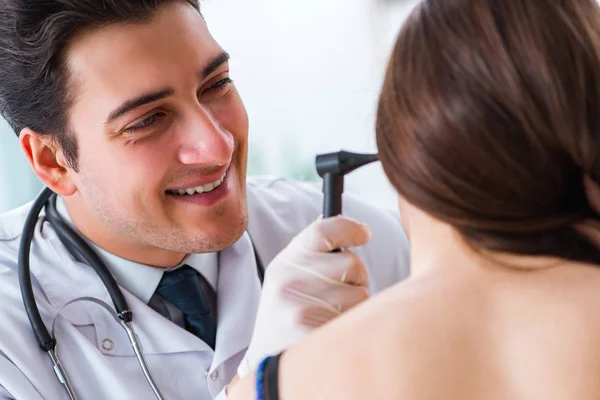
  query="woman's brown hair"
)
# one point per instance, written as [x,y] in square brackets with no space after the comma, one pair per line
[489,120]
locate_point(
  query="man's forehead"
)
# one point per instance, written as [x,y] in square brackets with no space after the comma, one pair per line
[173,28]
[122,59]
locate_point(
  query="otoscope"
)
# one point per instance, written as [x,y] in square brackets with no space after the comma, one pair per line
[332,167]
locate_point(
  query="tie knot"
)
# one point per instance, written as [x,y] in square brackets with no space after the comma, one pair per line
[177,275]
[187,289]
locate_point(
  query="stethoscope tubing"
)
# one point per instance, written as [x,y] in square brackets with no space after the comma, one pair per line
[72,241]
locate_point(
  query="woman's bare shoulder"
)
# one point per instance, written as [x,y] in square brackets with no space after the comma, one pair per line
[389,345]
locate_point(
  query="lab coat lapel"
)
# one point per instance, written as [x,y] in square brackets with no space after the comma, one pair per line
[64,279]
[238,298]
[238,295]
[157,334]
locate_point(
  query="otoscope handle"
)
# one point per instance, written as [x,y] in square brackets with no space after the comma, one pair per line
[332,167]
[333,187]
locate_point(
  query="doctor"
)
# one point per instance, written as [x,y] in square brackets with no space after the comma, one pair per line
[126,109]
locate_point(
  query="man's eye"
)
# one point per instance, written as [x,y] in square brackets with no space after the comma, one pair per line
[223,84]
[151,120]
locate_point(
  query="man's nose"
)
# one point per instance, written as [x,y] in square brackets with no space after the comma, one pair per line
[205,141]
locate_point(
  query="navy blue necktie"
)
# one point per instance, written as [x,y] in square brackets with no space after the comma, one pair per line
[189,291]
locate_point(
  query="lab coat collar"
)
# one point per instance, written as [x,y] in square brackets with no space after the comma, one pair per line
[142,280]
[238,298]
[139,279]
[64,280]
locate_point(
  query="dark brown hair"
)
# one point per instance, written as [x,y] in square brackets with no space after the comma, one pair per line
[489,119]
[34,89]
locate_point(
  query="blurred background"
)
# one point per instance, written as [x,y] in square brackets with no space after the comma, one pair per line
[309,73]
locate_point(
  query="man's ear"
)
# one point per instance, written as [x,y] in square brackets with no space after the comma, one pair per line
[48,162]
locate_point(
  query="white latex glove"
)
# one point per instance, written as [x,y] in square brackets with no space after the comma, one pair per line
[307,285]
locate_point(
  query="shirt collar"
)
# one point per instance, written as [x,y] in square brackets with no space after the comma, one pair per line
[139,279]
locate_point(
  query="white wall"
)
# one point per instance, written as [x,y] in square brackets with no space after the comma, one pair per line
[309,73]
[18,183]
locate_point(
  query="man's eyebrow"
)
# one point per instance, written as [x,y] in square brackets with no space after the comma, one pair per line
[139,101]
[214,64]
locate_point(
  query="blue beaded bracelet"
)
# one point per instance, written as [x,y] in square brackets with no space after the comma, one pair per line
[260,377]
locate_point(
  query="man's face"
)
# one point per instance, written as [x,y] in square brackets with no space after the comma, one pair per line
[157,118]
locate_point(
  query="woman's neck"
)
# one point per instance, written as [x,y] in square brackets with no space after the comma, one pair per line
[437,246]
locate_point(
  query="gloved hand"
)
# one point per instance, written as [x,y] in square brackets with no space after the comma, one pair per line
[307,285]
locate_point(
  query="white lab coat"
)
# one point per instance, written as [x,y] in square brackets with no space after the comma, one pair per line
[94,348]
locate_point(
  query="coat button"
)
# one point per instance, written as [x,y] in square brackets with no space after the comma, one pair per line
[108,344]
[215,375]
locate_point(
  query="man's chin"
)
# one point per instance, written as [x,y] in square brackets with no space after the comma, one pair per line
[220,237]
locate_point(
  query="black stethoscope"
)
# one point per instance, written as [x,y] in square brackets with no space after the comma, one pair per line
[332,167]
[75,244]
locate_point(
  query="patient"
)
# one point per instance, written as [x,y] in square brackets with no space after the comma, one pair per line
[489,129]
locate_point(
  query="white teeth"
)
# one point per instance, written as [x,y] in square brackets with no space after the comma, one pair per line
[201,189]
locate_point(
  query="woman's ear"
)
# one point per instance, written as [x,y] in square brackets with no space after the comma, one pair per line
[48,162]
